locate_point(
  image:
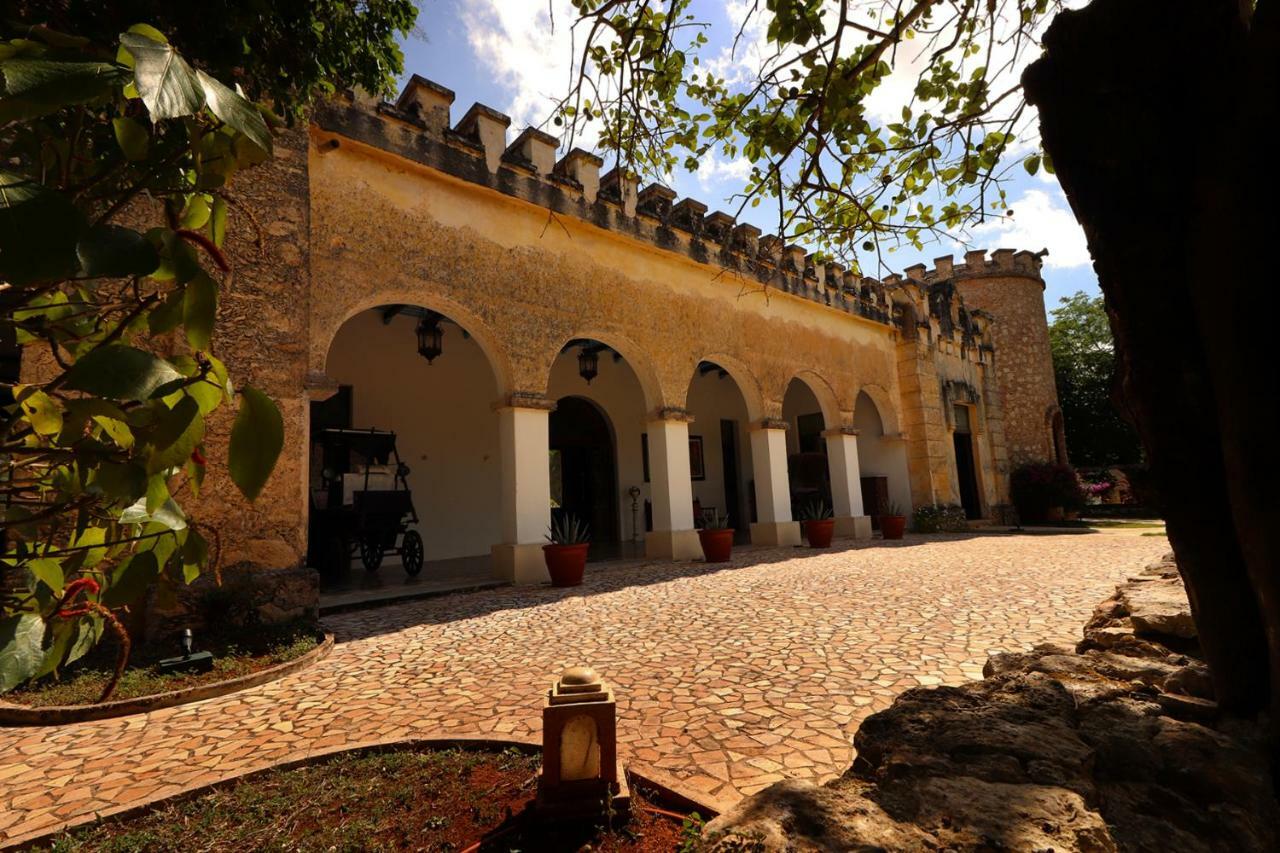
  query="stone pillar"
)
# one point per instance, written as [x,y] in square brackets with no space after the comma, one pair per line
[523,436]
[773,524]
[671,489]
[846,484]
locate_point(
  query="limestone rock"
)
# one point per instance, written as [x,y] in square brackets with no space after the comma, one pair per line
[1114,747]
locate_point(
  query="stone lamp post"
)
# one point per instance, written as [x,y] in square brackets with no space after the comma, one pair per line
[579,748]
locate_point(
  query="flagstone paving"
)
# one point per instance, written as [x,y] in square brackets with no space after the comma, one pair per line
[728,678]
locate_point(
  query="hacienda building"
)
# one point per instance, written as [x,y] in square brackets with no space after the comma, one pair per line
[543,338]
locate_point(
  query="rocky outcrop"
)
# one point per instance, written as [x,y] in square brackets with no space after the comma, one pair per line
[1113,746]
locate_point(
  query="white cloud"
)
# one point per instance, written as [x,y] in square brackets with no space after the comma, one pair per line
[1041,219]
[712,169]
[516,41]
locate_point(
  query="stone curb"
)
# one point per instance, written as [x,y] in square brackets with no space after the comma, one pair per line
[53,715]
[648,777]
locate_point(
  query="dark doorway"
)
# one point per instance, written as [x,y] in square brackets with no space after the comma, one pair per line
[732,477]
[583,472]
[969,498]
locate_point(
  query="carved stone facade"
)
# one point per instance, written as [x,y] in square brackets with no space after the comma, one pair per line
[378,204]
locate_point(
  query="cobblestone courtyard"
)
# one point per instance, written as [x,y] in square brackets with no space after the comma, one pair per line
[728,678]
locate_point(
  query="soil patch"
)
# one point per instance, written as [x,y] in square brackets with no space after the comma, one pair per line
[402,799]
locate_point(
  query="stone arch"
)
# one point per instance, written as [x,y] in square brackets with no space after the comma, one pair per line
[634,355]
[828,401]
[422,296]
[885,408]
[743,377]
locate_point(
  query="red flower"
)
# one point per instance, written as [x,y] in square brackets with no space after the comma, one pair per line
[198,457]
[88,586]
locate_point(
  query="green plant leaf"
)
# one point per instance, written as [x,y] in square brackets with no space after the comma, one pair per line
[236,111]
[199,310]
[21,648]
[176,436]
[168,516]
[33,87]
[112,251]
[257,437]
[39,229]
[87,634]
[123,482]
[165,82]
[131,579]
[120,372]
[41,411]
[49,572]
[132,138]
[218,221]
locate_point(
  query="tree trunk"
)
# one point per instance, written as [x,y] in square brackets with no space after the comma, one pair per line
[1157,115]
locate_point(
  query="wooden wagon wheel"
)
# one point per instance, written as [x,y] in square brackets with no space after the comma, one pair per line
[411,553]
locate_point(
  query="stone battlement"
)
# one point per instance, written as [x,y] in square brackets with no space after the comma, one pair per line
[418,127]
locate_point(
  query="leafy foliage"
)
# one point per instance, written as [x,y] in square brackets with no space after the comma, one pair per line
[805,106]
[282,52]
[567,529]
[99,142]
[939,518]
[1037,487]
[1084,364]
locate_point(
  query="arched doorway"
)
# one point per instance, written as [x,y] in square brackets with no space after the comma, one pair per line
[808,470]
[720,451]
[882,462]
[441,411]
[584,475]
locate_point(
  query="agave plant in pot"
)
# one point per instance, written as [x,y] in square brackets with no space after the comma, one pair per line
[568,539]
[892,522]
[717,539]
[819,525]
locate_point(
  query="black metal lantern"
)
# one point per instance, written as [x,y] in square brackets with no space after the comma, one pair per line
[588,363]
[430,337]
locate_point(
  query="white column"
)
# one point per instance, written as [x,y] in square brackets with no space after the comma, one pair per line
[671,489]
[846,484]
[773,525]
[526,491]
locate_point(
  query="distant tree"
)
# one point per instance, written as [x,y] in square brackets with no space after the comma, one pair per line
[1084,366]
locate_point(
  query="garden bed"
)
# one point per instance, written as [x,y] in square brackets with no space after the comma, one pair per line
[393,799]
[253,657]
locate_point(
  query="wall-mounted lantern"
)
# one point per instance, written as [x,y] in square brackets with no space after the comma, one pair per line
[588,363]
[430,337]
[579,747]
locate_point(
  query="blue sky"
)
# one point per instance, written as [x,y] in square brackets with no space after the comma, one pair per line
[505,53]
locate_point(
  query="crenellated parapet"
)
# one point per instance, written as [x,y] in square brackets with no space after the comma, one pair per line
[417,126]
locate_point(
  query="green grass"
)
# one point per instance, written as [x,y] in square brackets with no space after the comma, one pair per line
[83,685]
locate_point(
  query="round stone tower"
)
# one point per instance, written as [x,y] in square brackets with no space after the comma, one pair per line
[1009,288]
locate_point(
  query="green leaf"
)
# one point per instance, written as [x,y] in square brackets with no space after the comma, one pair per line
[169,516]
[49,572]
[132,138]
[1032,164]
[88,632]
[131,580]
[39,229]
[257,437]
[33,87]
[199,310]
[123,482]
[166,316]
[236,111]
[112,251]
[218,221]
[120,372]
[41,411]
[178,433]
[165,82]
[21,648]
[90,537]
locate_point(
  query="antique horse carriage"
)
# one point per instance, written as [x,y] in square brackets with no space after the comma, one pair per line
[363,504]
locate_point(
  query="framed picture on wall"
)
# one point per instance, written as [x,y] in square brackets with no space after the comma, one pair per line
[697,463]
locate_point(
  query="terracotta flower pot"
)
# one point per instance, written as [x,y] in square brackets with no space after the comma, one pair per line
[566,563]
[717,544]
[893,526]
[819,532]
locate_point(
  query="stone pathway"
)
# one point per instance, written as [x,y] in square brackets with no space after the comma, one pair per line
[728,678]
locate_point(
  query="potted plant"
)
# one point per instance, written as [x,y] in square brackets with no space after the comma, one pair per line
[717,538]
[566,550]
[819,526]
[893,523]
